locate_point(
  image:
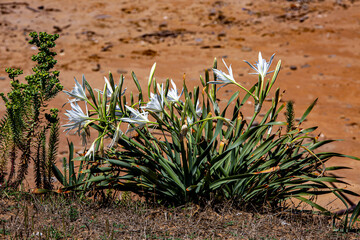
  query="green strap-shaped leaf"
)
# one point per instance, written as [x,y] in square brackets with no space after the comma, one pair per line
[119,163]
[98,178]
[233,97]
[276,72]
[226,180]
[98,170]
[88,87]
[72,177]
[136,81]
[311,203]
[151,76]
[59,176]
[355,215]
[308,110]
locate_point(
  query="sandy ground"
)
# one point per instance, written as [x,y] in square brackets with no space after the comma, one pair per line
[317,41]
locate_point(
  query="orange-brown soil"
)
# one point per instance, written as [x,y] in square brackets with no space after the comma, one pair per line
[317,41]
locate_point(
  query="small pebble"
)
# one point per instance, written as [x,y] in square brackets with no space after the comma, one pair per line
[163,25]
[96,68]
[246,49]
[222,34]
[303,18]
[121,71]
[102,16]
[284,223]
[353,124]
[293,67]
[305,66]
[212,12]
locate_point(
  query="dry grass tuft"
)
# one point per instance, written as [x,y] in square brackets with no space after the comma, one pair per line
[25,216]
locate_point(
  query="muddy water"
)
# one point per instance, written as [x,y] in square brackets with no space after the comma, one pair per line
[318,43]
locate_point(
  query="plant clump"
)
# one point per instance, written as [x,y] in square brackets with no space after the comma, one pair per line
[183,146]
[29,132]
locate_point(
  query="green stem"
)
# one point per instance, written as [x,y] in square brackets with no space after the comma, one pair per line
[92,105]
[261,89]
[255,97]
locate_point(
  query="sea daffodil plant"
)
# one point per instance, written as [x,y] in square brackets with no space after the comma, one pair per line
[185,147]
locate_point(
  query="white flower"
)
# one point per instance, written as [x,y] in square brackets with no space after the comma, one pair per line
[91,151]
[161,90]
[116,136]
[184,130]
[118,111]
[189,120]
[198,109]
[156,103]
[109,89]
[173,95]
[223,78]
[136,117]
[261,66]
[78,92]
[77,118]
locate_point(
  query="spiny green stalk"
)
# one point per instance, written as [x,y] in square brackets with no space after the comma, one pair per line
[53,143]
[42,159]
[5,147]
[37,167]
[24,161]
[289,115]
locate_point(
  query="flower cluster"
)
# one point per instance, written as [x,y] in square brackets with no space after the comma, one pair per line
[111,111]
